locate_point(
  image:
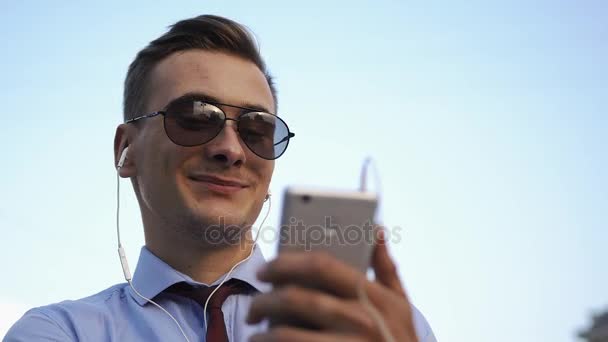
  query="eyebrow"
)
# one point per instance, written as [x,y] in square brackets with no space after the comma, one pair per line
[214,100]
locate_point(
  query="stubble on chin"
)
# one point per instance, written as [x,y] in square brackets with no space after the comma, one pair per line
[215,231]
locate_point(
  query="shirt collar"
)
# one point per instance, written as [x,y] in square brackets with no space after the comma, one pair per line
[152,275]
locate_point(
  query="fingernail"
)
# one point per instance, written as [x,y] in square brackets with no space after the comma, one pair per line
[381,235]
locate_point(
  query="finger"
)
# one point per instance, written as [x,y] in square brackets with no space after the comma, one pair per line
[313,269]
[292,334]
[309,308]
[384,267]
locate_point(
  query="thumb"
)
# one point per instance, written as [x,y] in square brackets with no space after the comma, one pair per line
[384,267]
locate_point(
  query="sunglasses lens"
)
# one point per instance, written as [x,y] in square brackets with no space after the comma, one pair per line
[191,123]
[265,134]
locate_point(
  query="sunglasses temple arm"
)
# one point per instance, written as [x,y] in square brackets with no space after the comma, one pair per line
[282,140]
[291,135]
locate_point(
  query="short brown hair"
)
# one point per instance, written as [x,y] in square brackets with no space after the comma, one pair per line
[206,32]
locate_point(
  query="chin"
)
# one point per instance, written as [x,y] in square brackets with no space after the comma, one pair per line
[221,212]
[221,226]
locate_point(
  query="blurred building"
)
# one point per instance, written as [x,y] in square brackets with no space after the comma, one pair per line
[598,332]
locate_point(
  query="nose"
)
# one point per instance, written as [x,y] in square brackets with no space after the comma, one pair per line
[226,148]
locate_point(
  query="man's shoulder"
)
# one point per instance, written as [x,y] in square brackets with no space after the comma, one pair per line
[97,303]
[60,321]
[422,326]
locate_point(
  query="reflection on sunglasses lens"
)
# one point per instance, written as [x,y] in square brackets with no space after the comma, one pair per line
[191,123]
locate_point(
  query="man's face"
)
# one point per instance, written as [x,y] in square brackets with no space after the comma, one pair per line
[178,185]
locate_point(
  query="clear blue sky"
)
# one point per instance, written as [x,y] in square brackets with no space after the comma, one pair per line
[488,122]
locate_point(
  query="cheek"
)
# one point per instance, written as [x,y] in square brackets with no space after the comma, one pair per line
[264,174]
[158,177]
[156,181]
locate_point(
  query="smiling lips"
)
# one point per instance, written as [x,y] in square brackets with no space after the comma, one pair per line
[219,184]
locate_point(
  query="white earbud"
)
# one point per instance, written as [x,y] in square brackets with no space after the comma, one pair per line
[123,157]
[268,194]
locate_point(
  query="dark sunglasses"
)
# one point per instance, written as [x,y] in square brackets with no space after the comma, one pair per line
[192,122]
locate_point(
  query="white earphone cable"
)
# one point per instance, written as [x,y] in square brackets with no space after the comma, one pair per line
[363,298]
[257,234]
[127,273]
[387,336]
[125,265]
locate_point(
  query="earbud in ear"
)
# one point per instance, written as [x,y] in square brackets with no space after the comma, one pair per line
[267,196]
[123,157]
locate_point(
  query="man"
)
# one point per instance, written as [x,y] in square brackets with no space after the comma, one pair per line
[199,142]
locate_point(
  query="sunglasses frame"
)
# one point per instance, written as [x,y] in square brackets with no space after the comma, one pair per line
[163,112]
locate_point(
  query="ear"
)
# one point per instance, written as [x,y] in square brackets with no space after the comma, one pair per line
[122,139]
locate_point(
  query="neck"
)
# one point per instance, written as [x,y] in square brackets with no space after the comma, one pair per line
[201,261]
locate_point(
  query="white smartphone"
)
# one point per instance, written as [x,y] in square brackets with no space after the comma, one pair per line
[339,222]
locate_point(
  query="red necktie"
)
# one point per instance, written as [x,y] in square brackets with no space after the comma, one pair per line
[216,329]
